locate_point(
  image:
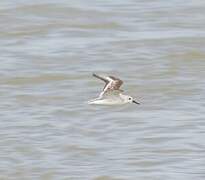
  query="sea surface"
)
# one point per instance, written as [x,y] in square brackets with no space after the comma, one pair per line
[48,52]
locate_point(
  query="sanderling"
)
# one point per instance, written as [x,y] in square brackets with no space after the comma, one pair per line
[112,94]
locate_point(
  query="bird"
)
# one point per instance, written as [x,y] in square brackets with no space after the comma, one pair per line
[111,93]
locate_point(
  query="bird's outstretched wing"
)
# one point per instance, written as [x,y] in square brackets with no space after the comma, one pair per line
[115,83]
[101,78]
[112,84]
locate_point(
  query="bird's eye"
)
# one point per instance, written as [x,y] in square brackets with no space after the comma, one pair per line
[129,98]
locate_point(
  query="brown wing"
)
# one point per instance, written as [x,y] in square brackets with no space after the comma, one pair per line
[116,83]
[101,78]
[111,84]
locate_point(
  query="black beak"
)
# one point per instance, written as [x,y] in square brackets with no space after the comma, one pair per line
[135,102]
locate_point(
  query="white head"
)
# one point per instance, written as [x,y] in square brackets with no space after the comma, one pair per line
[128,99]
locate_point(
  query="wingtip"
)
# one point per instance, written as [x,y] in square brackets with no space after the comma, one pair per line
[94,74]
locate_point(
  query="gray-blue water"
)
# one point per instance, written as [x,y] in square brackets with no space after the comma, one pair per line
[48,52]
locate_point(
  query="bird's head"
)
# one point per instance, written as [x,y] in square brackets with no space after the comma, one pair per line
[130,99]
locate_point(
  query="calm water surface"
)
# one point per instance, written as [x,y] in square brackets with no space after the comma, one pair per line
[48,51]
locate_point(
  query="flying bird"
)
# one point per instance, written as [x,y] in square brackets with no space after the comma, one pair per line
[111,93]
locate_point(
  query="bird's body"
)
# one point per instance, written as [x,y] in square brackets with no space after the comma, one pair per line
[111,94]
[110,100]
[106,102]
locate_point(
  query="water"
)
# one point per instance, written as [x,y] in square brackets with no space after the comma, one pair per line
[48,51]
